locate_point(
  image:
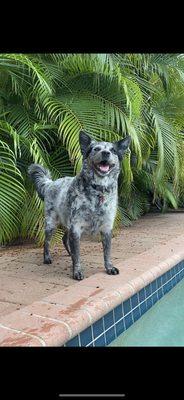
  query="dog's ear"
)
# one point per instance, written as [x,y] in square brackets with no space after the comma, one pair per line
[85,141]
[122,145]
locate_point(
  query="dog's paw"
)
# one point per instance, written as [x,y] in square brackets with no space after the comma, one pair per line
[78,275]
[112,271]
[47,260]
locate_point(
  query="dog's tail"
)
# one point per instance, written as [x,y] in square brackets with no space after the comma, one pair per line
[41,177]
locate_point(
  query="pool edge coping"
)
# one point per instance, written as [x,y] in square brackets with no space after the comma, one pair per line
[54,323]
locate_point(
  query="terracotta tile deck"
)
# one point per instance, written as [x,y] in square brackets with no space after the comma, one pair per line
[55,319]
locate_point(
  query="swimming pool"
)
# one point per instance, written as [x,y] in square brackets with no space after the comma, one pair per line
[114,328]
[162,325]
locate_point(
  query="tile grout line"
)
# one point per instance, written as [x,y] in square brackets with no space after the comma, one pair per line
[24,333]
[103,321]
[52,319]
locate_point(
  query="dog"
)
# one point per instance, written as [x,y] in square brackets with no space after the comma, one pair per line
[86,203]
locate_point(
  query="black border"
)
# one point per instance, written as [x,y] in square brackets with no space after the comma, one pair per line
[139,372]
[102,35]
[91,27]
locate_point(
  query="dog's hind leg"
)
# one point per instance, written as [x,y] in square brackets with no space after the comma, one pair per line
[106,242]
[48,235]
[50,225]
[65,240]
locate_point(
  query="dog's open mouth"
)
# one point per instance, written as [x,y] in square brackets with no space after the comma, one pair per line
[104,167]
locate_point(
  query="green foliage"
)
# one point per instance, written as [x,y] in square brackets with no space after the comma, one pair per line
[46,99]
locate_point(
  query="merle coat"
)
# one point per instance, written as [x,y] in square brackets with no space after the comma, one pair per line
[86,203]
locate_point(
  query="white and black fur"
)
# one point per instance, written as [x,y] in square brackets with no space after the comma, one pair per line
[86,203]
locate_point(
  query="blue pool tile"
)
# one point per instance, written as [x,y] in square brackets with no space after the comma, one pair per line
[179,266]
[110,335]
[86,336]
[100,341]
[136,314]
[141,295]
[148,290]
[118,312]
[153,286]
[182,273]
[98,328]
[120,327]
[173,281]
[109,320]
[128,320]
[155,298]
[164,278]
[73,342]
[169,285]
[143,307]
[177,278]
[176,268]
[149,303]
[165,289]
[160,293]
[159,282]
[168,275]
[172,272]
[126,306]
[134,300]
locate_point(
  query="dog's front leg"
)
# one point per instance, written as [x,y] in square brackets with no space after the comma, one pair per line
[65,241]
[74,242]
[106,241]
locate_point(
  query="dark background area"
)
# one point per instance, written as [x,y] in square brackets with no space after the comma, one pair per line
[38,373]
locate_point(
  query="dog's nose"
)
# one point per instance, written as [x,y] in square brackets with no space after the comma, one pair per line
[105,154]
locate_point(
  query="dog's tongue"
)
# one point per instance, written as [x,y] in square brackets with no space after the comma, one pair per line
[104,168]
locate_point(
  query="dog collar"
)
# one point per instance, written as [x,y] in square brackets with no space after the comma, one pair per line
[100,188]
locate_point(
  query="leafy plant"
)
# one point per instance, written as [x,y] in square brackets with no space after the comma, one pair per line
[46,99]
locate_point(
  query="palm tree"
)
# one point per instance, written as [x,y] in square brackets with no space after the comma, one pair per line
[46,99]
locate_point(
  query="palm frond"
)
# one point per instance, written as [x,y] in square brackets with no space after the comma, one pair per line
[11,194]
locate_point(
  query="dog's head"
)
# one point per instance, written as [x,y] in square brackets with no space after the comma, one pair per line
[103,157]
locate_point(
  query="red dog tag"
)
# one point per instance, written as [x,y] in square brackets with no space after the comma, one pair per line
[101,198]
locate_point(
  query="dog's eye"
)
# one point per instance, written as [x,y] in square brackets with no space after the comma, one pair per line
[97,149]
[112,150]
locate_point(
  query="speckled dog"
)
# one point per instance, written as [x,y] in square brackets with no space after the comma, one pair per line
[85,203]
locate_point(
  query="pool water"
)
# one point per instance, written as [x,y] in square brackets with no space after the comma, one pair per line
[162,325]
